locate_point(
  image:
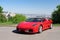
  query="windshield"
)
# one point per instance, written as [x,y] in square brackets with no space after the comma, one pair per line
[33,20]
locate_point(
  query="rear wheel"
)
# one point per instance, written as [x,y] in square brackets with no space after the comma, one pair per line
[40,29]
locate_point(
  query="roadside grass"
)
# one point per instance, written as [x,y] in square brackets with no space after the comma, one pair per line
[8,24]
[56,25]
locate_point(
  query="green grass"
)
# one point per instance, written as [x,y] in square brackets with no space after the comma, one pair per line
[56,25]
[7,24]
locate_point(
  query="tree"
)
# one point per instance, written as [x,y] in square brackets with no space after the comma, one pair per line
[1,9]
[2,18]
[56,15]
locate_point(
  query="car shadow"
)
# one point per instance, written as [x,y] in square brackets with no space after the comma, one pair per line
[24,33]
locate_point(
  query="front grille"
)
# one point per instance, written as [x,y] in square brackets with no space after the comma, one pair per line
[30,30]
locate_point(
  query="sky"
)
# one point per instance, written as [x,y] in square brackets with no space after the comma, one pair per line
[45,7]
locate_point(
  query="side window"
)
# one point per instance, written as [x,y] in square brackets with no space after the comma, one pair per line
[39,19]
[42,20]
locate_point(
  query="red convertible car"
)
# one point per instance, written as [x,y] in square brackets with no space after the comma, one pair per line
[34,25]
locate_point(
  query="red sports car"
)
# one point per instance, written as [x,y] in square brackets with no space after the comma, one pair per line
[34,25]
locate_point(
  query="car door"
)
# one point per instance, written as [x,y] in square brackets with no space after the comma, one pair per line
[49,23]
[45,24]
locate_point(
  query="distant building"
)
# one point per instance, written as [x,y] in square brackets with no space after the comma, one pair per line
[9,14]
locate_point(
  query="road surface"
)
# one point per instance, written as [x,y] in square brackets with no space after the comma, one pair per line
[9,33]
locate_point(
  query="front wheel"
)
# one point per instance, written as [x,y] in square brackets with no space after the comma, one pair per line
[40,29]
[51,26]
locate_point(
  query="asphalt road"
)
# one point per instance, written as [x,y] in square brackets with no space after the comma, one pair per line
[9,33]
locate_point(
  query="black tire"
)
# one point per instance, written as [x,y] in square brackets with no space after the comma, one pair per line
[40,29]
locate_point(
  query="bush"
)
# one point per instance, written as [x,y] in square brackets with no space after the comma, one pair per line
[2,18]
[10,19]
[18,18]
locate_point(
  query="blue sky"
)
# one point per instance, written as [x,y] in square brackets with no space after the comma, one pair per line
[30,6]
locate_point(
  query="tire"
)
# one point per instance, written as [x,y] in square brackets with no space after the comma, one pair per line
[40,29]
[51,26]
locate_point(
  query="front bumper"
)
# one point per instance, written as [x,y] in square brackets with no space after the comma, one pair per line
[27,30]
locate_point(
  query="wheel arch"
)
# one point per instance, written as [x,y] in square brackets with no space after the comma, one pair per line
[41,25]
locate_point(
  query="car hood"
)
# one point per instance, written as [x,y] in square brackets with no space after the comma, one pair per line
[26,24]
